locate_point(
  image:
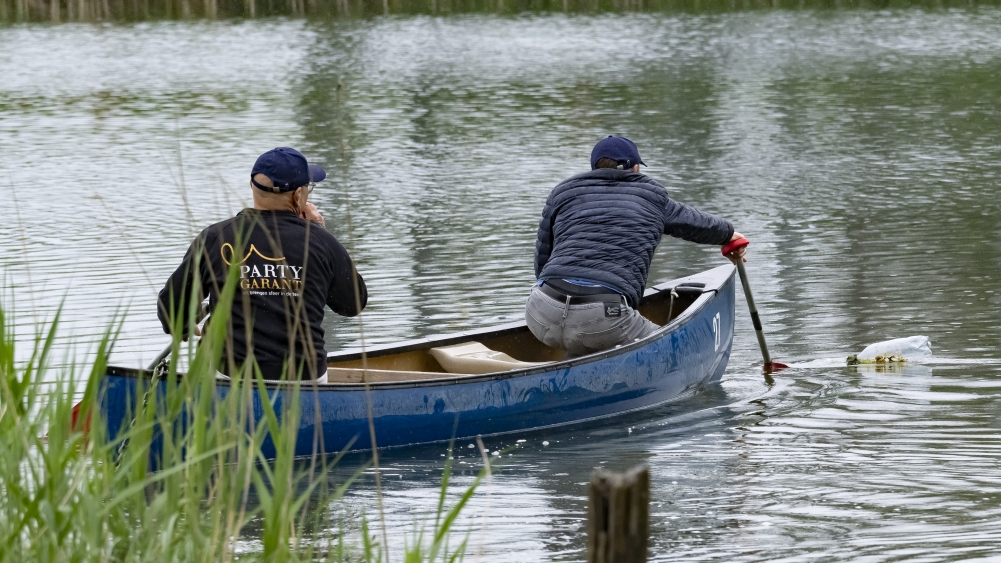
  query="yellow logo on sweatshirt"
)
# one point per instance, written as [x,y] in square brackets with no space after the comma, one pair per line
[232,251]
[279,279]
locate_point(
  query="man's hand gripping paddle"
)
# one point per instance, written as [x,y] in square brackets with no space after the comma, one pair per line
[769,366]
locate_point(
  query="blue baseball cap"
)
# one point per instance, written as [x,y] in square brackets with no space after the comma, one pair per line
[287,169]
[619,149]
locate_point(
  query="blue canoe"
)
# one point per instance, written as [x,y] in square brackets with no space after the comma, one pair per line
[414,400]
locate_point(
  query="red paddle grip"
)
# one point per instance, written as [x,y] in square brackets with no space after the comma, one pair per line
[734,245]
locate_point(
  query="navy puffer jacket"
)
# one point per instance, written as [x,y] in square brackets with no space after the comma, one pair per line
[603,226]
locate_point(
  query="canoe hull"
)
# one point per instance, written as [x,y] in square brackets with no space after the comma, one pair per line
[652,372]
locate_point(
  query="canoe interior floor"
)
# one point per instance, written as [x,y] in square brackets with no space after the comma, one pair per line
[417,365]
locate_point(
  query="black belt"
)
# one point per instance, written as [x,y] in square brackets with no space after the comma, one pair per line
[547,288]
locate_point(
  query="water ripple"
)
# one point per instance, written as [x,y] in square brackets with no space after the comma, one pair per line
[857,149]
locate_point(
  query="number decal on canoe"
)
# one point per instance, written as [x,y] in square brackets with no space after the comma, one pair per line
[716,327]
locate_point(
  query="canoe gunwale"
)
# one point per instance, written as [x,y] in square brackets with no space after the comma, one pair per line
[707,294]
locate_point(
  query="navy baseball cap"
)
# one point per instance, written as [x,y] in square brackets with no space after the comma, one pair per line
[619,149]
[287,169]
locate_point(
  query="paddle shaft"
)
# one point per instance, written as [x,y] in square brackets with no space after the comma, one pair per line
[729,249]
[203,311]
[159,357]
[755,319]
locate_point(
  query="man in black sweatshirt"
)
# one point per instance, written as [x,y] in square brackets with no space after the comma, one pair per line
[290,267]
[597,236]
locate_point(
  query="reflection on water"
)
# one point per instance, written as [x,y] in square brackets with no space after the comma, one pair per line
[857,149]
[61,11]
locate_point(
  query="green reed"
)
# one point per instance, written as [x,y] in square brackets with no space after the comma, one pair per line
[71,495]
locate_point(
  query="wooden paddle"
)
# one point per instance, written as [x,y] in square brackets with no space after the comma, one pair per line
[769,366]
[203,312]
[85,425]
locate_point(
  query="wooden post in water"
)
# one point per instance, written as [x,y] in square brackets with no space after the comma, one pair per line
[618,516]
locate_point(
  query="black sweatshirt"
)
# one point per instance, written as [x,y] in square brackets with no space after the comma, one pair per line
[289,269]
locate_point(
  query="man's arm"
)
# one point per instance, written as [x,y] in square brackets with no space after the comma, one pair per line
[347,294]
[544,240]
[686,222]
[174,300]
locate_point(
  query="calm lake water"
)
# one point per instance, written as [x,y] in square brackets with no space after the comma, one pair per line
[860,151]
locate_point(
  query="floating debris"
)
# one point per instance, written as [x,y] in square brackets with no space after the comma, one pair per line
[898,350]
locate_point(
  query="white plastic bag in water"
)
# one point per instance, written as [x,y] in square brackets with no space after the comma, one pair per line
[893,351]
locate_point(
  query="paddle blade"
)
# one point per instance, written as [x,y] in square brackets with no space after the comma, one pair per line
[772,367]
[77,424]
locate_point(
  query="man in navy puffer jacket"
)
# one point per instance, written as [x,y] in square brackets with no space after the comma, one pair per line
[597,236]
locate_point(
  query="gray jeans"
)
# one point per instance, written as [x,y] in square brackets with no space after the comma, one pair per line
[584,328]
